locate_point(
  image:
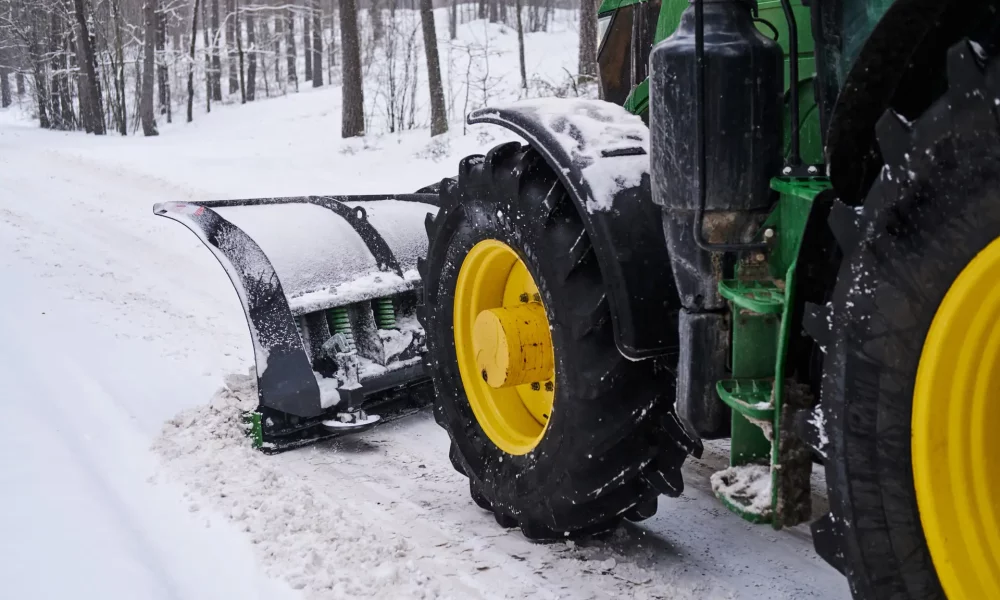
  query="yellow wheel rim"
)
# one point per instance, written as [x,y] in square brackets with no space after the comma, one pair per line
[956,432]
[504,347]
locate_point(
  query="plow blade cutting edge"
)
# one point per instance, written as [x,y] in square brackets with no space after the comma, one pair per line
[329,288]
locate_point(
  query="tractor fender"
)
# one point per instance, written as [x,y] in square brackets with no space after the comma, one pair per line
[600,152]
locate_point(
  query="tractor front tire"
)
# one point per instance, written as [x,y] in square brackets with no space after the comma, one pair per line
[602,454]
[931,219]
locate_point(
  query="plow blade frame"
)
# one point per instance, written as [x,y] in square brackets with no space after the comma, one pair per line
[285,379]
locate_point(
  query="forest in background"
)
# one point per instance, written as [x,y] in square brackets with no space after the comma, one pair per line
[121,65]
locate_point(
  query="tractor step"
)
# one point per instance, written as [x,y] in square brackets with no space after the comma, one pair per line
[763,296]
[749,397]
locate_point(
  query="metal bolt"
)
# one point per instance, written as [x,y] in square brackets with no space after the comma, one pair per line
[537,298]
[485,378]
[786,171]
[548,386]
[768,233]
[523,297]
[760,257]
[813,170]
[535,386]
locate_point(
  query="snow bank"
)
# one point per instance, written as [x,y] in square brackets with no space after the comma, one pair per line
[322,548]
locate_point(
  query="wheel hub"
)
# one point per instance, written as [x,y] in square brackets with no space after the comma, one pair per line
[513,345]
[956,419]
[504,347]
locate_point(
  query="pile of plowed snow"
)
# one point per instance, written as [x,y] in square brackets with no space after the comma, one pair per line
[319,547]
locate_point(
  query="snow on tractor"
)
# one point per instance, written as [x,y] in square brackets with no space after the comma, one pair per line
[781,226]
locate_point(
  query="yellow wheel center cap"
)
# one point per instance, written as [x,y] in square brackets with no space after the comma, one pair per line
[513,345]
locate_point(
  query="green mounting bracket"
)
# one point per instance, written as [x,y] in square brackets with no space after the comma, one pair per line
[255,429]
[765,297]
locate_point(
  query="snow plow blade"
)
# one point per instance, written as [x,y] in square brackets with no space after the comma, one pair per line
[329,288]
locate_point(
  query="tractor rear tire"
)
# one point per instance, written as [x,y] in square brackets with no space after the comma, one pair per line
[935,207]
[603,455]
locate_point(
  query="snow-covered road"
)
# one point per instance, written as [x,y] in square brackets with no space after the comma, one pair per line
[112,321]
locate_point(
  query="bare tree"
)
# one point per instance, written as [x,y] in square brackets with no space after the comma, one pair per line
[279,22]
[239,53]
[439,117]
[162,74]
[148,69]
[453,20]
[194,36]
[520,46]
[317,44]
[216,77]
[231,25]
[293,76]
[207,47]
[375,16]
[353,115]
[588,39]
[307,45]
[90,85]
[5,96]
[251,85]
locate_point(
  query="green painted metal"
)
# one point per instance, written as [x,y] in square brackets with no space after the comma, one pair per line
[669,18]
[762,303]
[608,6]
[385,313]
[256,430]
[637,102]
[749,397]
[340,322]
[759,296]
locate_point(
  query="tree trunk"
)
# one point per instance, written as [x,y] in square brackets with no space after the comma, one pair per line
[317,45]
[162,74]
[231,24]
[194,36]
[92,87]
[494,10]
[239,53]
[439,117]
[482,9]
[588,39]
[503,10]
[278,32]
[148,69]
[375,15]
[55,106]
[307,44]
[353,121]
[453,20]
[251,85]
[216,54]
[520,46]
[119,108]
[206,44]
[5,97]
[293,75]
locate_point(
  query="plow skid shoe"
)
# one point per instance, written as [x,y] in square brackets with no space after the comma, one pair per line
[328,285]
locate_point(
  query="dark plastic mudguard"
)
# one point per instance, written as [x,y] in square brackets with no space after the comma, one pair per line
[628,238]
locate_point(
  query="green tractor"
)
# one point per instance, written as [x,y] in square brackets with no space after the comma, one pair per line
[780,226]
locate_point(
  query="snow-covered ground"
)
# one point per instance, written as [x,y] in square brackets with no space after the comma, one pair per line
[113,322]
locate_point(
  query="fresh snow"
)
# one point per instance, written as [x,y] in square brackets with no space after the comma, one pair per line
[747,485]
[124,473]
